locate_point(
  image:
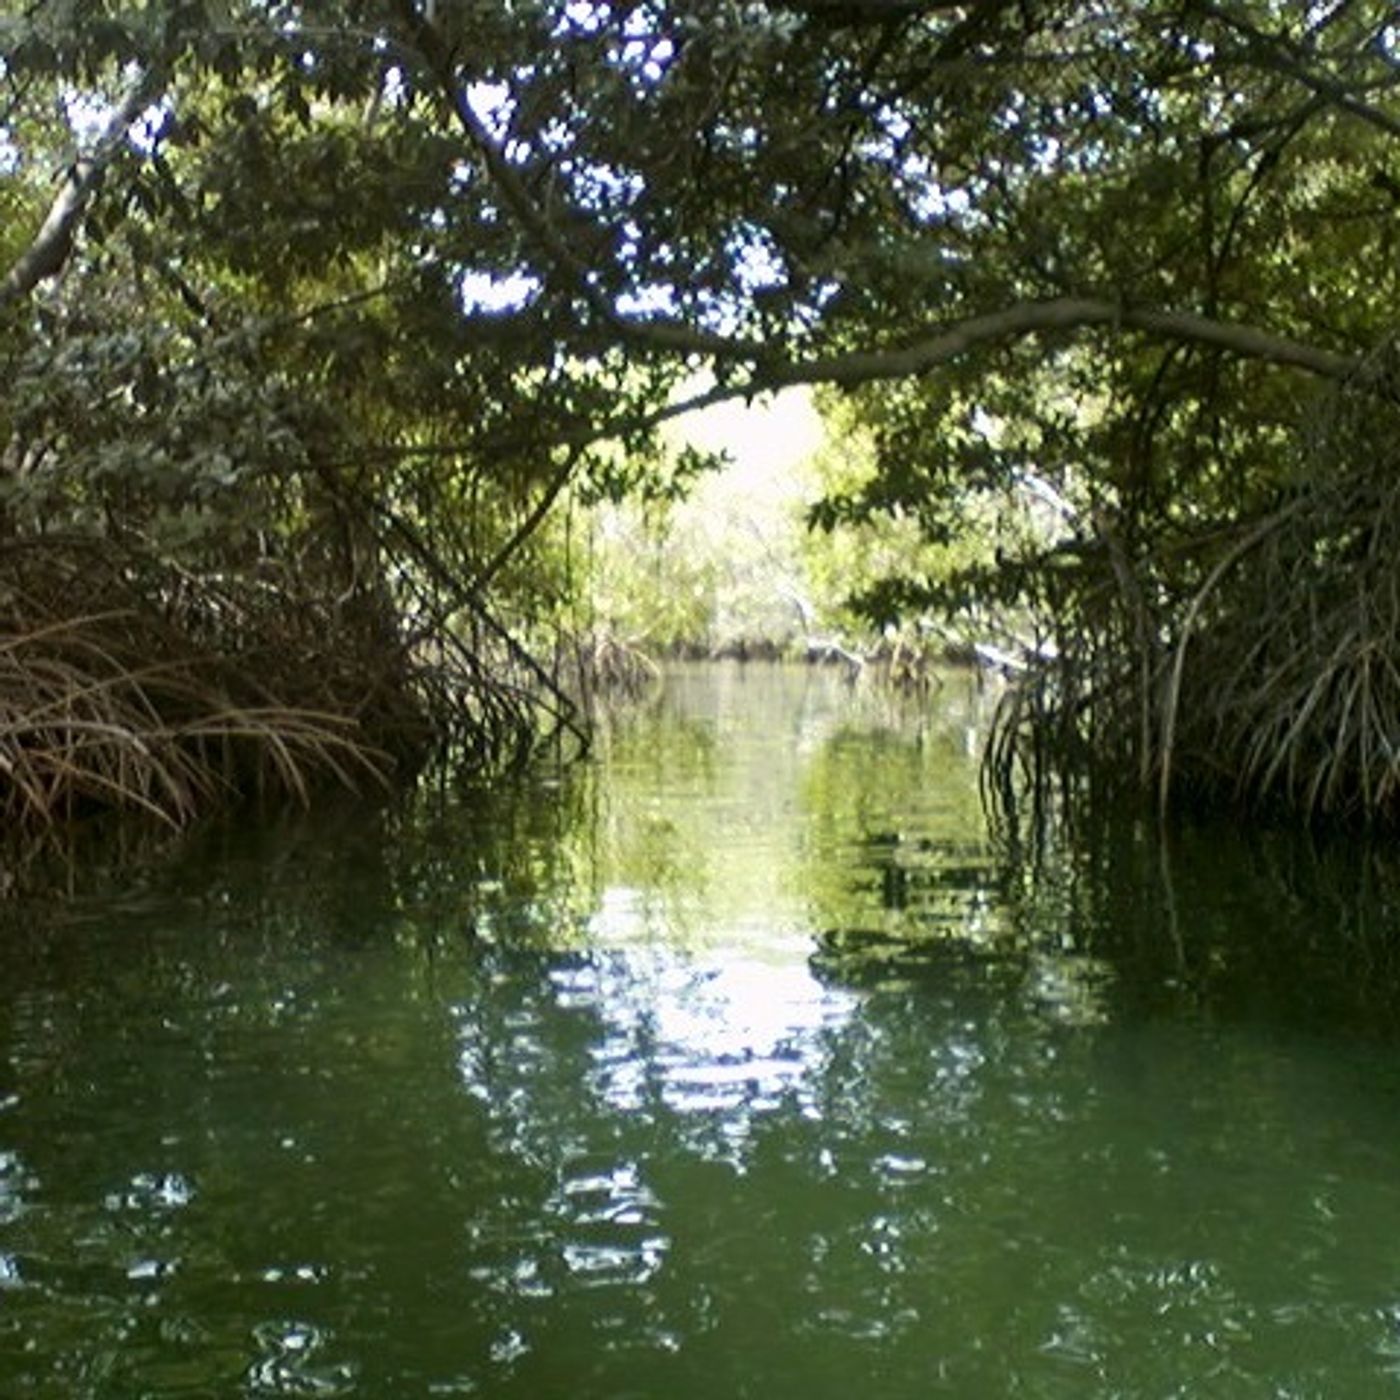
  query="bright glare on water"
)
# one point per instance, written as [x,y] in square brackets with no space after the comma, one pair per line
[740,1061]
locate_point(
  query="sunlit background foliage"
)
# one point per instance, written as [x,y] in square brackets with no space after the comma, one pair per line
[338,342]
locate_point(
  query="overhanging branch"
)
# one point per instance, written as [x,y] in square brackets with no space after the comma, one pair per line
[1060,314]
[1003,327]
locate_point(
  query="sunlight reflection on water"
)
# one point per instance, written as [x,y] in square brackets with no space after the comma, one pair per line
[733,1066]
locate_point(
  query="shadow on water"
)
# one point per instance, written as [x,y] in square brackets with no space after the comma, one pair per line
[738,1062]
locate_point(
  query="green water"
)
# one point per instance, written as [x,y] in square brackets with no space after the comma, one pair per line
[739,1062]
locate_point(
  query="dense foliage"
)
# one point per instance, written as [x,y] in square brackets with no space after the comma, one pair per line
[313,313]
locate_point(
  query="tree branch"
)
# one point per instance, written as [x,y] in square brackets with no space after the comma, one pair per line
[1060,314]
[1063,314]
[53,244]
[527,527]
[1335,92]
[435,53]
[999,328]
[1274,52]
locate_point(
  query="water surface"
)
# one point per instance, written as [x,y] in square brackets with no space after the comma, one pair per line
[738,1062]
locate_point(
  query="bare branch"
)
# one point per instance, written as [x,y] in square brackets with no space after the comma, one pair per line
[561,477]
[53,244]
[1060,314]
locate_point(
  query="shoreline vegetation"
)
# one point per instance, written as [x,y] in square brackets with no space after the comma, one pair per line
[341,360]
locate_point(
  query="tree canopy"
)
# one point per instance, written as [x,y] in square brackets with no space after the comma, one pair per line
[313,312]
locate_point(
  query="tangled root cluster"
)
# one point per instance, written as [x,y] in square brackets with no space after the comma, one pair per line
[1294,679]
[129,683]
[112,693]
[1255,662]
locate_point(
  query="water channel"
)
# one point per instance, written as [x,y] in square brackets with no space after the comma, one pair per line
[741,1060]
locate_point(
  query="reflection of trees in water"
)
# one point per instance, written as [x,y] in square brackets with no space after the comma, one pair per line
[892,1093]
[1269,923]
[762,807]
[910,1172]
[723,1151]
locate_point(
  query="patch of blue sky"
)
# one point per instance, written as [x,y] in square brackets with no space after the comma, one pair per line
[557,136]
[1046,154]
[629,240]
[648,57]
[1323,13]
[598,186]
[739,138]
[916,175]
[895,125]
[934,203]
[720,313]
[926,196]
[148,126]
[497,293]
[580,17]
[463,175]
[493,106]
[88,115]
[645,49]
[657,299]
[758,265]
